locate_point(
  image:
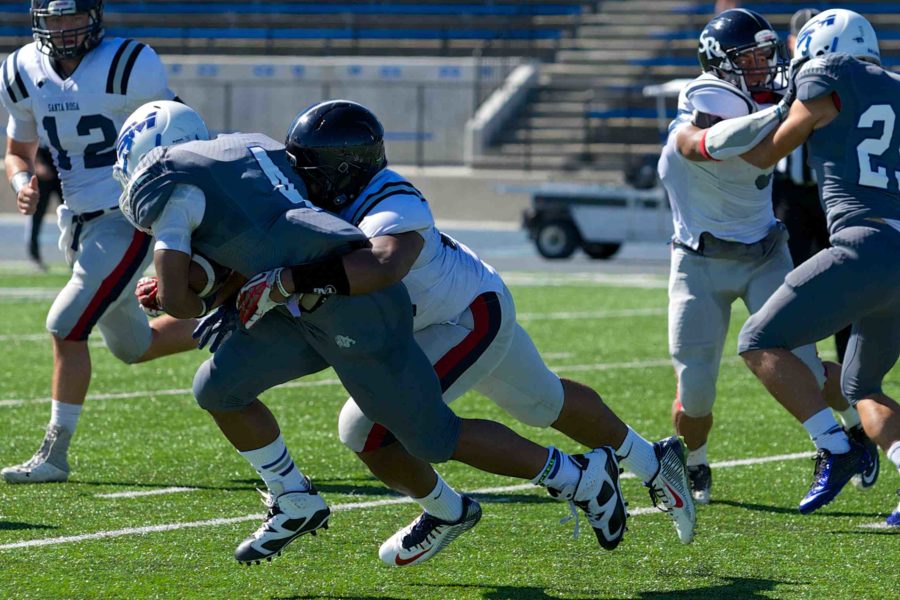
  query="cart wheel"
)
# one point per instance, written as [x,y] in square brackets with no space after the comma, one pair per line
[556,239]
[601,251]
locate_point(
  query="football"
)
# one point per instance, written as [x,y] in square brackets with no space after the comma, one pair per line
[201,269]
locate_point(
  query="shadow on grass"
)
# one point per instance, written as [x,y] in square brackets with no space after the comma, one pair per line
[731,588]
[374,491]
[783,510]
[16,526]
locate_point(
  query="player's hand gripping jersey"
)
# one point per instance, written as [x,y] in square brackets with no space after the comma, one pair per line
[79,118]
[856,155]
[730,199]
[447,275]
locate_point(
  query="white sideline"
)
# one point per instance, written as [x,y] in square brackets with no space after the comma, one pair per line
[347,506]
[551,316]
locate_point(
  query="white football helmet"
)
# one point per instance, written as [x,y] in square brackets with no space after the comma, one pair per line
[838,30]
[158,123]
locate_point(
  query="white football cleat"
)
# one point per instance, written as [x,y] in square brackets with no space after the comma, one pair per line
[670,487]
[290,515]
[598,494]
[49,463]
[427,535]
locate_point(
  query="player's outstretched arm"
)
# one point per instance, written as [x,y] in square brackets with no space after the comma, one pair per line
[802,120]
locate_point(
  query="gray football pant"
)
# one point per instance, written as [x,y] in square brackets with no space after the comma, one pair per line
[701,292]
[369,342]
[857,282]
[112,256]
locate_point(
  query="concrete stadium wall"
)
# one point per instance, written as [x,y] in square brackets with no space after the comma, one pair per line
[423,103]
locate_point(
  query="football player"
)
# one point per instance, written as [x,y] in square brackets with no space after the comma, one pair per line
[70,90]
[464,320]
[727,243]
[237,201]
[845,107]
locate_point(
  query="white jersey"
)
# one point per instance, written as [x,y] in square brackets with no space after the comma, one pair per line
[730,199]
[79,118]
[447,276]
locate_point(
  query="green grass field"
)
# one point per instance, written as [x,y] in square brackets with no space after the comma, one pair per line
[141,431]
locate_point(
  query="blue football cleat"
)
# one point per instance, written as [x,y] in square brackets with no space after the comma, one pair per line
[831,474]
[893,519]
[866,478]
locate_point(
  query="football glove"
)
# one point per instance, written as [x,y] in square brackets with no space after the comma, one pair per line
[147,296]
[216,327]
[254,300]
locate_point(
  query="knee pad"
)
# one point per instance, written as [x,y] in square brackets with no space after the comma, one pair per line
[214,392]
[697,369]
[536,406]
[128,351]
[355,428]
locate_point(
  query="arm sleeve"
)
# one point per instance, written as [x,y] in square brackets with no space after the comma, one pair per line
[21,125]
[398,214]
[734,137]
[181,216]
[148,80]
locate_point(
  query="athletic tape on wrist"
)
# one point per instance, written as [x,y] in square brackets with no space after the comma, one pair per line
[20,180]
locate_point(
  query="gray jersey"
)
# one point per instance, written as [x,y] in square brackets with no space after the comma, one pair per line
[256,216]
[856,156]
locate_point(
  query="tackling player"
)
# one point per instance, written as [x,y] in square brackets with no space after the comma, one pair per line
[236,200]
[465,321]
[727,243]
[71,90]
[845,107]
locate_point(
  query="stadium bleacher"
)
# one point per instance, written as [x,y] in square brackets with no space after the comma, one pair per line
[598,56]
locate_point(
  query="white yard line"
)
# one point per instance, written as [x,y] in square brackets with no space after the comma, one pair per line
[526,316]
[879,525]
[140,494]
[592,314]
[347,506]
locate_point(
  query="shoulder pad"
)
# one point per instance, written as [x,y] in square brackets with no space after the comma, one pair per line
[821,75]
[149,190]
[713,96]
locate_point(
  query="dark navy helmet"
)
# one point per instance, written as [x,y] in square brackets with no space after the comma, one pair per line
[336,147]
[66,43]
[740,32]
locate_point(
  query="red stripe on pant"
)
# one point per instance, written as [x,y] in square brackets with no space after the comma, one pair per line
[459,352]
[99,301]
[379,435]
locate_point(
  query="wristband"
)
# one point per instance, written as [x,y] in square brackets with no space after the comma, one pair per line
[207,306]
[20,180]
[280,285]
[324,277]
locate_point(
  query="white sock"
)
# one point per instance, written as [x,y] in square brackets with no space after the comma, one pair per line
[825,432]
[893,454]
[559,472]
[698,456]
[849,417]
[442,502]
[65,415]
[276,467]
[637,455]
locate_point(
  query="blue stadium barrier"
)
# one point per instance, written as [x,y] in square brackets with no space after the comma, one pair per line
[629,113]
[325,33]
[328,8]
[781,8]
